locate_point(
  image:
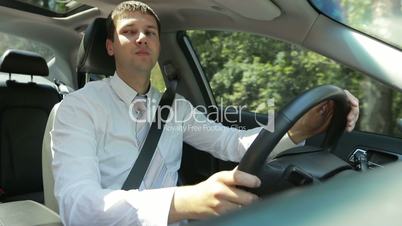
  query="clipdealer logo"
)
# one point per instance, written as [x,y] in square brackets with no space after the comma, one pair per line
[184,113]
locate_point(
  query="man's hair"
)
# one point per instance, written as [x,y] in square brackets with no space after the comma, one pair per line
[123,10]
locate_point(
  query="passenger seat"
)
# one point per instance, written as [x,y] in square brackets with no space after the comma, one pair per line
[24,110]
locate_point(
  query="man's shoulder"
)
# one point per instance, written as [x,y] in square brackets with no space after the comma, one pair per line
[93,93]
[92,89]
[90,99]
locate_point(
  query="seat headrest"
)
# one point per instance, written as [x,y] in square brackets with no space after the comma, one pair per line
[92,55]
[23,62]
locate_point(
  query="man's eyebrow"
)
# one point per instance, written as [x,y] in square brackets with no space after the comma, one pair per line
[152,27]
[129,25]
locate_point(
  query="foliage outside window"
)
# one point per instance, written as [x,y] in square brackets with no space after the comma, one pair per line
[246,70]
[157,79]
[9,41]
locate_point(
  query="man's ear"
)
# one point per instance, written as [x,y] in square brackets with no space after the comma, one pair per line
[109,47]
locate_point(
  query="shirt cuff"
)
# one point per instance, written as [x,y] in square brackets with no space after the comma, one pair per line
[284,144]
[153,205]
[301,143]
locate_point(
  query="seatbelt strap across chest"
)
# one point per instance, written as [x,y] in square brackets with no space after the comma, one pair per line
[141,165]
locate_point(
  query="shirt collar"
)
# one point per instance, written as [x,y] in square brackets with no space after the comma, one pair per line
[124,91]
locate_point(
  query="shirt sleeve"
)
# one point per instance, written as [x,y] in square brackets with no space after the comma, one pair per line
[81,198]
[223,142]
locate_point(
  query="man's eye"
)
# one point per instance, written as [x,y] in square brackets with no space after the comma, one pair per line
[151,33]
[127,32]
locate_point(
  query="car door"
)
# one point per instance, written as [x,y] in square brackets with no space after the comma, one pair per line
[250,76]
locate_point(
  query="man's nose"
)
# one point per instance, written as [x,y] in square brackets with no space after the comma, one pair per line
[142,39]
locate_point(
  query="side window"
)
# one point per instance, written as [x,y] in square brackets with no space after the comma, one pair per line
[9,41]
[246,70]
[157,78]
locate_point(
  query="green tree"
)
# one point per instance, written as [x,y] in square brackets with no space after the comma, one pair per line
[246,69]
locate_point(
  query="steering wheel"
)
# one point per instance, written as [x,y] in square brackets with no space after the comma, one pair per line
[254,160]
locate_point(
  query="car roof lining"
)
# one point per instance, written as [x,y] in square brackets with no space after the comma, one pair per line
[177,15]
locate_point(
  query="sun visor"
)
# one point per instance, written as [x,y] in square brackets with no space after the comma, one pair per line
[252,9]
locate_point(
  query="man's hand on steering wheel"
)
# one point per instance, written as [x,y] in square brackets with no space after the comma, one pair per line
[317,119]
[215,196]
[353,115]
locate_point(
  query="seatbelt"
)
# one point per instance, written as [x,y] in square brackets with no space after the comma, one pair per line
[140,167]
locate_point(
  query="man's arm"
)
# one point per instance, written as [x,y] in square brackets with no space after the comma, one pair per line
[317,119]
[82,198]
[222,142]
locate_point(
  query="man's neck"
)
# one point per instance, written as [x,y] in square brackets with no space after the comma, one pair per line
[140,83]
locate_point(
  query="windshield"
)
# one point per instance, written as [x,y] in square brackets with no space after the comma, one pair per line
[379,18]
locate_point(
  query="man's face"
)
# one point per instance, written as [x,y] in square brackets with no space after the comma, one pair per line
[136,43]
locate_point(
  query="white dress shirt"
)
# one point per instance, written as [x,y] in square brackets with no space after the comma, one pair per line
[95,147]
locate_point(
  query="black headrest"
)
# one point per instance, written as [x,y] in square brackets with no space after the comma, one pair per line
[92,55]
[23,62]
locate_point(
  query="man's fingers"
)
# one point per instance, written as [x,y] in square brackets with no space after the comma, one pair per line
[237,196]
[351,120]
[353,115]
[245,179]
[225,206]
[320,107]
[352,99]
[238,178]
[324,108]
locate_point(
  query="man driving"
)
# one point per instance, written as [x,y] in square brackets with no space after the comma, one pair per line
[97,138]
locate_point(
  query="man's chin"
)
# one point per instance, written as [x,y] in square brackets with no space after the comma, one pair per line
[145,70]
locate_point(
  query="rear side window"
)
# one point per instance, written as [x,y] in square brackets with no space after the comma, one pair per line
[9,41]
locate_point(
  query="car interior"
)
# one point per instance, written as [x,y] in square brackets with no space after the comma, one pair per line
[20,167]
[355,172]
